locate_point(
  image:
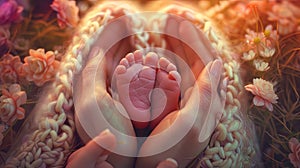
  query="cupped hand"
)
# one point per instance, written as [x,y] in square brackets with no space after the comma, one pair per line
[95,108]
[93,155]
[202,102]
[104,56]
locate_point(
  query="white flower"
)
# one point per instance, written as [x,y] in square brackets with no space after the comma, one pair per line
[267,52]
[254,38]
[247,56]
[270,33]
[260,65]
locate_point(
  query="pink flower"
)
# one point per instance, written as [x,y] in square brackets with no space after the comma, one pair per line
[10,67]
[295,155]
[67,12]
[263,92]
[285,14]
[10,12]
[40,67]
[10,102]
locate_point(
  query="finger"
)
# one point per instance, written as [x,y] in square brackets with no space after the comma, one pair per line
[97,147]
[216,71]
[173,38]
[214,111]
[168,163]
[186,96]
[165,123]
[114,55]
[184,36]
[205,96]
[202,87]
[197,41]
[113,32]
[103,165]
[176,46]
[92,152]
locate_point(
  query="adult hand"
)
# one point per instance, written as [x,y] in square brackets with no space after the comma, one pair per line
[93,155]
[95,108]
[202,99]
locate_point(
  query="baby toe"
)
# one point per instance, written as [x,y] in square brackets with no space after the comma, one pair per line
[124,62]
[130,58]
[166,65]
[163,63]
[171,67]
[120,69]
[138,56]
[174,75]
[151,60]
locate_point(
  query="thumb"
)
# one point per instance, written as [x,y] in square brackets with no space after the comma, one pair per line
[211,107]
[94,151]
[168,163]
[208,81]
[100,145]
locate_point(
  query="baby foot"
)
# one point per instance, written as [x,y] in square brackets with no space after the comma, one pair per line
[135,79]
[165,96]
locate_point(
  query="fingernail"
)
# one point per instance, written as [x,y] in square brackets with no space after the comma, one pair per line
[104,157]
[173,161]
[216,68]
[105,132]
[168,163]
[105,140]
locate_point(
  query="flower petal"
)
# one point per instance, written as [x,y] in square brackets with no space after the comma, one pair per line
[252,88]
[14,88]
[269,106]
[22,97]
[20,113]
[258,101]
[293,142]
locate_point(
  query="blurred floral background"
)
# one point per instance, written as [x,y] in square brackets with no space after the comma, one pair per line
[264,35]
